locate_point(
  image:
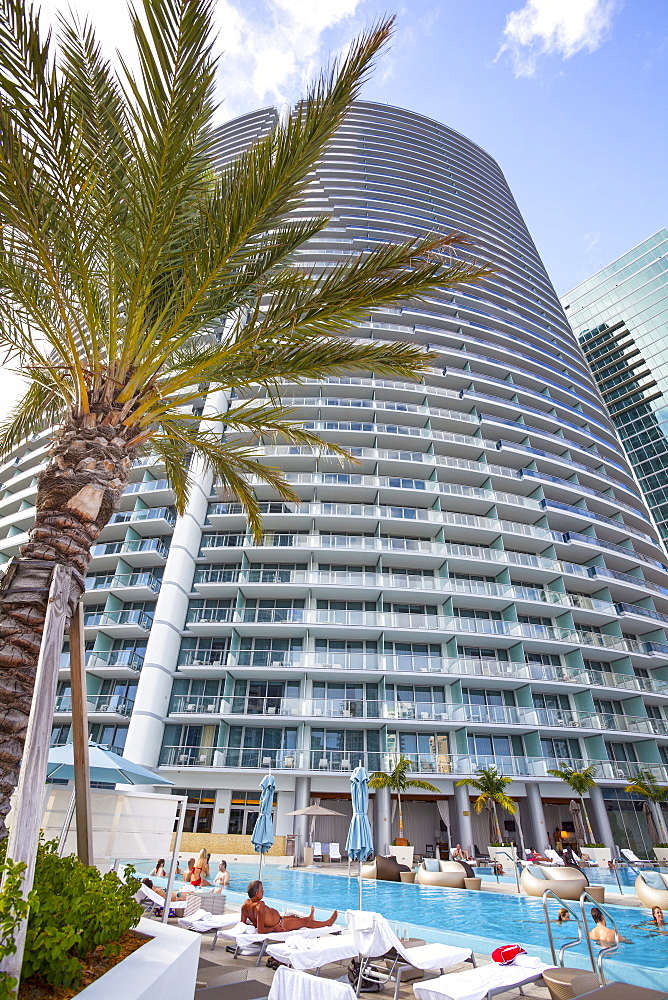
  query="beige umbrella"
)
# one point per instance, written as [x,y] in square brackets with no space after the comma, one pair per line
[314,811]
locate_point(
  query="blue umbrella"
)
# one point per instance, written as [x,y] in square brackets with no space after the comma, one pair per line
[262,837]
[105,765]
[359,844]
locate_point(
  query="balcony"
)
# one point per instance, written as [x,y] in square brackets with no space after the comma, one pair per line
[124,624]
[114,663]
[127,586]
[100,704]
[149,519]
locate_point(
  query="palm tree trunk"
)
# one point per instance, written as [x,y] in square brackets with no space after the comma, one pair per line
[76,495]
[590,832]
[401,817]
[498,825]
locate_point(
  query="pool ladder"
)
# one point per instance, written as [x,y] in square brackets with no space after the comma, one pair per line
[581,922]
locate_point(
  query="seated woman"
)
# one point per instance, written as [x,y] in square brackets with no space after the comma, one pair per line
[159,869]
[161,892]
[265,919]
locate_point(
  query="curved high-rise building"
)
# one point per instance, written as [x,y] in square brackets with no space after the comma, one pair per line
[484,586]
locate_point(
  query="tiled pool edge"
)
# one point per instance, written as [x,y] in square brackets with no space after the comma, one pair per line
[612,969]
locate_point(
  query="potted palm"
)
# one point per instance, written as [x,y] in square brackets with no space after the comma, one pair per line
[398,782]
[580,781]
[645,784]
[491,785]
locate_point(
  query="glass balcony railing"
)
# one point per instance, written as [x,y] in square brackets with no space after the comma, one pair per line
[122,580]
[100,619]
[147,514]
[112,703]
[115,658]
[131,545]
[147,487]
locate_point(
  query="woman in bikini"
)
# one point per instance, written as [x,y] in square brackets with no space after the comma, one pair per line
[266,919]
[200,870]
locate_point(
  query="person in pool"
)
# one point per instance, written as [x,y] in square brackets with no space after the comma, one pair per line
[265,919]
[222,876]
[600,932]
[658,918]
[563,915]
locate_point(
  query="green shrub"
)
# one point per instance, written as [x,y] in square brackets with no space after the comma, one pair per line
[73,910]
[13,909]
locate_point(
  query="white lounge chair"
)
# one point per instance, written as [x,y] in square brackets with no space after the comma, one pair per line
[317,851]
[484,982]
[334,852]
[374,937]
[633,858]
[288,984]
[306,955]
[153,903]
[553,856]
[246,938]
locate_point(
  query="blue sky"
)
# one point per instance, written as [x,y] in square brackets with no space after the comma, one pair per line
[568,95]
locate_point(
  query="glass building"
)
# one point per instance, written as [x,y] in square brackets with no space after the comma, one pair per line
[484,587]
[620,316]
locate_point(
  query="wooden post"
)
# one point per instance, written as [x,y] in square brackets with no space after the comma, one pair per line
[80,738]
[29,801]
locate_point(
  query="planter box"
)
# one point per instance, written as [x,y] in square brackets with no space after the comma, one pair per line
[601,855]
[164,968]
[503,853]
[661,855]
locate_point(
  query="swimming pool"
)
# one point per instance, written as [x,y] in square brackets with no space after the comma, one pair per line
[486,920]
[596,876]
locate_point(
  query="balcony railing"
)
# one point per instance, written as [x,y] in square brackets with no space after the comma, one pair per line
[444,764]
[131,545]
[112,703]
[147,514]
[98,619]
[111,581]
[115,658]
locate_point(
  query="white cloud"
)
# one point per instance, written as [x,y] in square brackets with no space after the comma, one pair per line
[555,27]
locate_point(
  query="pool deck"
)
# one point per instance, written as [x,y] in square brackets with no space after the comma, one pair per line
[505,888]
[338,970]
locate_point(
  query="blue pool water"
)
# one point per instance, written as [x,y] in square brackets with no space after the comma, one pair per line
[596,876]
[481,920]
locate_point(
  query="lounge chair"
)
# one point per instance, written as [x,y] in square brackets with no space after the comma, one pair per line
[652,889]
[633,859]
[484,982]
[448,874]
[554,857]
[153,903]
[246,938]
[374,938]
[567,883]
[288,984]
[384,869]
[334,852]
[315,953]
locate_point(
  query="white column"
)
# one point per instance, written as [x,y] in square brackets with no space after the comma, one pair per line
[382,820]
[463,810]
[300,824]
[538,824]
[145,732]
[601,817]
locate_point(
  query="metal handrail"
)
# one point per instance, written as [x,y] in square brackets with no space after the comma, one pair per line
[603,952]
[567,944]
[514,863]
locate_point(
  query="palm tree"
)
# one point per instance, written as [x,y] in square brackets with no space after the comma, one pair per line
[137,274]
[490,785]
[646,784]
[398,782]
[580,781]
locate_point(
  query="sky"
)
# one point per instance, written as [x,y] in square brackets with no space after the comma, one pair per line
[569,96]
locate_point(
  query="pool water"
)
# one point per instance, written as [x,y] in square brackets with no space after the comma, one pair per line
[481,920]
[596,876]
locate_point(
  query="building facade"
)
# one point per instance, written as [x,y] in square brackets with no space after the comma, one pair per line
[620,316]
[485,586]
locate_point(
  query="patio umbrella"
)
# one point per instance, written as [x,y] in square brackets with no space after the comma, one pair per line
[359,844]
[314,811]
[105,766]
[262,837]
[575,810]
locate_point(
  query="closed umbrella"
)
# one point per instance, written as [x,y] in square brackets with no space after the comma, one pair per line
[262,837]
[359,844]
[578,824]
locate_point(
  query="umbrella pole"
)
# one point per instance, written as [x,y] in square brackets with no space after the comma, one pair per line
[175,854]
[80,738]
[359,879]
[259,874]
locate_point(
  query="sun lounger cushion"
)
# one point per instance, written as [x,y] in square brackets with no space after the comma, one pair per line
[431,865]
[474,984]
[374,937]
[313,954]
[654,880]
[289,984]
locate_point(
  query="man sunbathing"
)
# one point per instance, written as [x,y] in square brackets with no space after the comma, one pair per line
[266,920]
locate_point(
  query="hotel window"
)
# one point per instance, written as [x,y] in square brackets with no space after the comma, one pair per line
[244,811]
[623,753]
[269,652]
[561,751]
[204,651]
[263,697]
[483,653]
[277,609]
[260,746]
[428,752]
[341,749]
[110,737]
[199,809]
